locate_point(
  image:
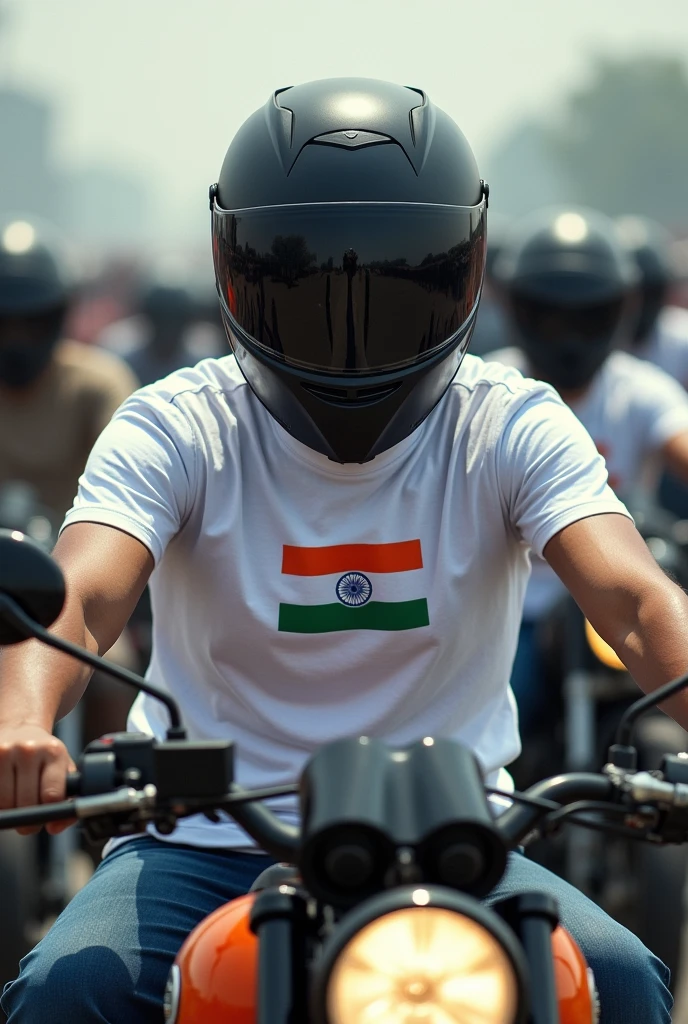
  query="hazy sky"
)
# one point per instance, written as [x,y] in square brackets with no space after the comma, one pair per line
[160,86]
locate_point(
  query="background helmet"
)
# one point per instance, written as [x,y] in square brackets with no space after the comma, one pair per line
[169,308]
[497,240]
[34,297]
[349,245]
[650,246]
[568,282]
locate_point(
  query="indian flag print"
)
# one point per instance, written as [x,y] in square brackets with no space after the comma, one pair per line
[354,586]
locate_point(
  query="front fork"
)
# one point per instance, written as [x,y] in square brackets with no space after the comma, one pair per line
[534,916]
[279,920]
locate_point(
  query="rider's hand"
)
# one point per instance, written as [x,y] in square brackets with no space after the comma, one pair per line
[33,767]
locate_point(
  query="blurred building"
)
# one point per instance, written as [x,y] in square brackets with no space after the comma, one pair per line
[103,207]
[522,172]
[29,179]
[98,207]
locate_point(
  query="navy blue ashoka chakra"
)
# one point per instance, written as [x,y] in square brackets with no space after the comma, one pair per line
[354,589]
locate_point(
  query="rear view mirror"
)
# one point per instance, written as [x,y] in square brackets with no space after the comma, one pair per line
[30,578]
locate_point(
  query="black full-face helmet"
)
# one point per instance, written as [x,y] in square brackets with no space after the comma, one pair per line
[569,284]
[349,247]
[649,243]
[35,290]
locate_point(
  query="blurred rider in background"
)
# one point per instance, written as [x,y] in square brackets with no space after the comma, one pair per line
[56,395]
[570,291]
[661,330]
[169,330]
[490,325]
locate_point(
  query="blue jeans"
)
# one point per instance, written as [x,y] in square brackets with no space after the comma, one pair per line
[528,680]
[107,956]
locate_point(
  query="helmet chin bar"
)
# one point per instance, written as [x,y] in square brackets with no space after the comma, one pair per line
[350,420]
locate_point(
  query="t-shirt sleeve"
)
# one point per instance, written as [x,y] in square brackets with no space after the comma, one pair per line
[140,475]
[550,472]
[663,406]
[114,387]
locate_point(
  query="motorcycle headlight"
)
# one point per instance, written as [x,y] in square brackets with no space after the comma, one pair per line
[421,956]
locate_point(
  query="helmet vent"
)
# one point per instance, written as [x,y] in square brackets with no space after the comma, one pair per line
[351,139]
[357,397]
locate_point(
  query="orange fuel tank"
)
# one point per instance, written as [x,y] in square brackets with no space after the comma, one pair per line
[213,980]
[578,1003]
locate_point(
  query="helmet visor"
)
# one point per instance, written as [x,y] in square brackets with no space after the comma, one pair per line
[553,324]
[349,288]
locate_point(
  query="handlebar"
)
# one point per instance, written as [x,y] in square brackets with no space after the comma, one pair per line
[126,810]
[272,834]
[520,819]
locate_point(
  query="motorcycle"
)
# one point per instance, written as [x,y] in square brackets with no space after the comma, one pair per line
[375,899]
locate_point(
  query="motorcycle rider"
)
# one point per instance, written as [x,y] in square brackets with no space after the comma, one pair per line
[490,323]
[56,395]
[167,333]
[337,520]
[569,286]
[660,334]
[661,330]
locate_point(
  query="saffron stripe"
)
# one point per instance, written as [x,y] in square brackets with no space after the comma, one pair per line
[330,618]
[399,557]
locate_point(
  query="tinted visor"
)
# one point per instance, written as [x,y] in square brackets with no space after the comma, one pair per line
[566,345]
[350,288]
[25,296]
[552,324]
[652,299]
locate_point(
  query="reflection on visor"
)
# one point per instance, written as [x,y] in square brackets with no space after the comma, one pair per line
[350,287]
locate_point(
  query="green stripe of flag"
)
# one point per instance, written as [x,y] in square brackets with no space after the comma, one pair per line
[328,618]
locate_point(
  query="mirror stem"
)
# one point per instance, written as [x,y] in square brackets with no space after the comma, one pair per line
[14,614]
[624,732]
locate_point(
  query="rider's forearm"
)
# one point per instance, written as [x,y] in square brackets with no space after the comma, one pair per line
[652,641]
[38,685]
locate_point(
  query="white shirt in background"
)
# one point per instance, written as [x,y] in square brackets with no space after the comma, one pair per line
[667,346]
[296,600]
[630,410]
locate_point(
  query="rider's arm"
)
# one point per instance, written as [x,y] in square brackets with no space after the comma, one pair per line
[105,572]
[639,611]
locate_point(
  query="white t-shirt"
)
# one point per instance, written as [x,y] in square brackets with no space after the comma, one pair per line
[667,346]
[296,600]
[630,410]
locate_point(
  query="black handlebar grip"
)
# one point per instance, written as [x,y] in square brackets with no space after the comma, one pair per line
[73,784]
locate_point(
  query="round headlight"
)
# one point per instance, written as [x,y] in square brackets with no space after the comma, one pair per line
[425,956]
